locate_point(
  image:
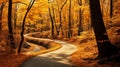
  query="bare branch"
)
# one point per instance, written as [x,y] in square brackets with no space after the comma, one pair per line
[63,5]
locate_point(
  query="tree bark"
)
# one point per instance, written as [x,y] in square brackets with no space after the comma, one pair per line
[52,22]
[80,29]
[105,48]
[57,31]
[12,43]
[111,8]
[69,21]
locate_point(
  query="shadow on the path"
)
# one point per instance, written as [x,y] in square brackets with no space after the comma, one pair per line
[43,62]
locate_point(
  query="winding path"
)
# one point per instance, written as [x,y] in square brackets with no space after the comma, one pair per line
[57,58]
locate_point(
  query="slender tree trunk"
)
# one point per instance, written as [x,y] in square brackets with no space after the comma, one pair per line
[69,24]
[60,27]
[105,47]
[12,43]
[15,16]
[23,25]
[52,22]
[80,29]
[80,18]
[55,25]
[60,15]
[15,19]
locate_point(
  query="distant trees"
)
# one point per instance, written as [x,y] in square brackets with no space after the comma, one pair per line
[69,21]
[105,48]
[23,24]
[52,16]
[80,18]
[60,16]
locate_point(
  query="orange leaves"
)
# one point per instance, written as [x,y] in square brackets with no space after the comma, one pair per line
[2,1]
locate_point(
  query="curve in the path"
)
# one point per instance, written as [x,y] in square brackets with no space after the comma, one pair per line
[57,58]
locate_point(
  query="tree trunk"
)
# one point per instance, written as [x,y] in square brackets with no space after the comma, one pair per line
[57,31]
[69,22]
[12,43]
[80,18]
[52,22]
[60,27]
[80,29]
[111,8]
[23,25]
[105,48]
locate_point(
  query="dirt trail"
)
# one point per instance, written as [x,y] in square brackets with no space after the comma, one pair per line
[57,58]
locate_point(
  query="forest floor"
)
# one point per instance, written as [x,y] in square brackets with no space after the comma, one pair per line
[15,60]
[86,46]
[87,50]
